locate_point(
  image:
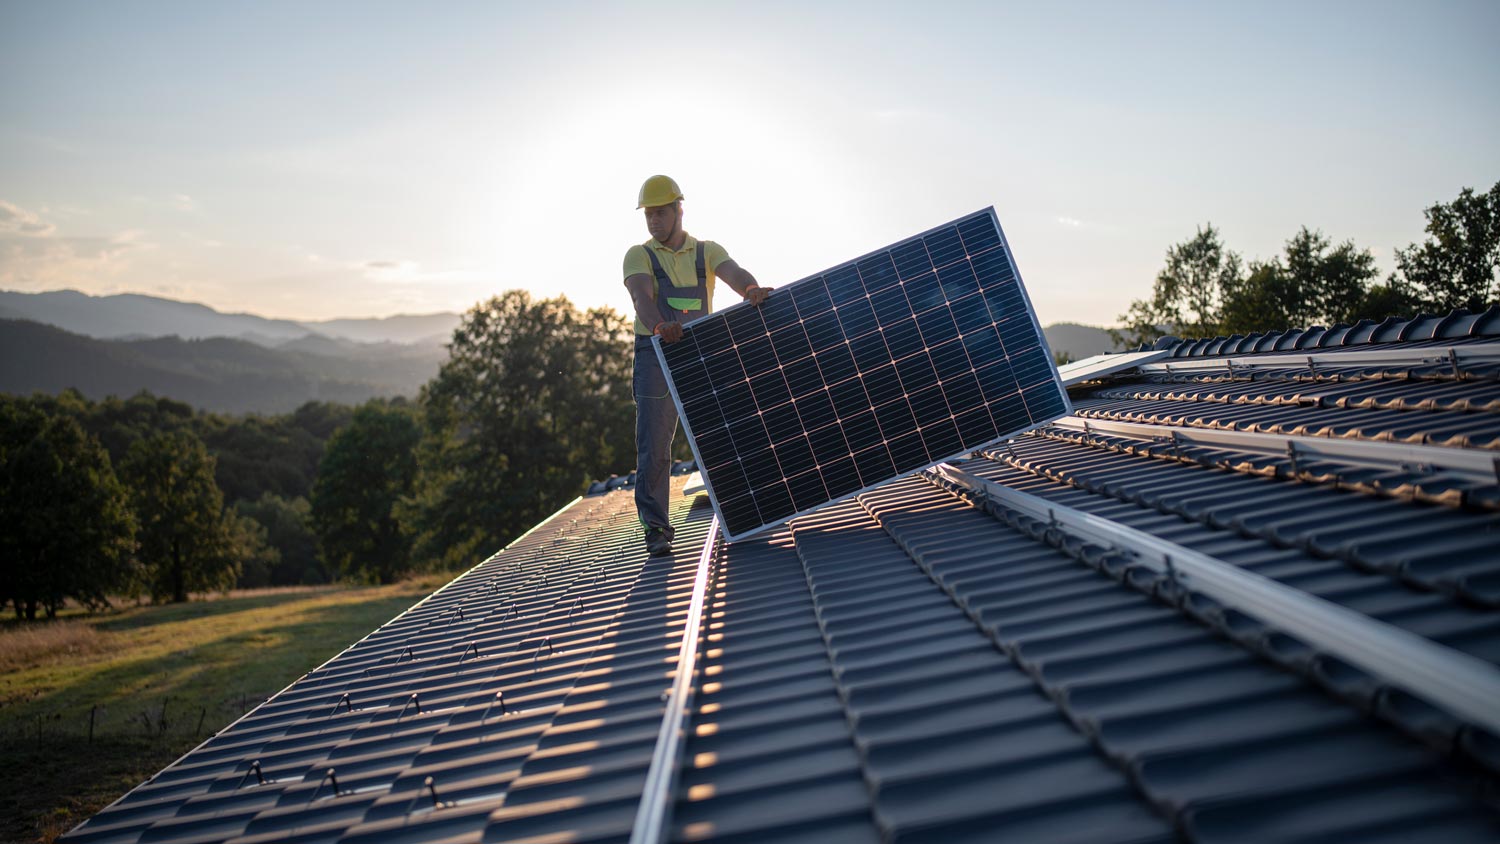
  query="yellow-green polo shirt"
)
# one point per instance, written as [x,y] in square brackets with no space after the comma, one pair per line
[681,268]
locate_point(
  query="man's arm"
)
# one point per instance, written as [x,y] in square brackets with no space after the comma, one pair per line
[643,295]
[742,282]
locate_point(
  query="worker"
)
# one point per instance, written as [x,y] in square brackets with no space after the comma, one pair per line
[671,281]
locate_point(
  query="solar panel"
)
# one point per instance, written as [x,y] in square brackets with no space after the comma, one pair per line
[881,366]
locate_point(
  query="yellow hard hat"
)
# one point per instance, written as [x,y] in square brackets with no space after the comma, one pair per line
[658,190]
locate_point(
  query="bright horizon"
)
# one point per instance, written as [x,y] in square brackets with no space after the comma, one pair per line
[312,162]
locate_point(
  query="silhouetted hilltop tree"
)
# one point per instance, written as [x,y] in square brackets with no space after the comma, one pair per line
[1455,266]
[1311,283]
[534,401]
[1201,292]
[1188,295]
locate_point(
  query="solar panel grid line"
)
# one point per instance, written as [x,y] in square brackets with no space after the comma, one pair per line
[884,365]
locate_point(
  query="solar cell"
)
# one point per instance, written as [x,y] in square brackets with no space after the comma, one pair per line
[881,366]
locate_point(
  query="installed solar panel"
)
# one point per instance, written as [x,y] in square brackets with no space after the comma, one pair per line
[881,366]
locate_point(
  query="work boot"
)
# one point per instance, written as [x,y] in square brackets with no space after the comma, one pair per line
[658,543]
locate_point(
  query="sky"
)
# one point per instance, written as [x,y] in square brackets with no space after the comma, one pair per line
[312,160]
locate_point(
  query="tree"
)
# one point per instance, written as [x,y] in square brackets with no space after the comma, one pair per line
[1186,297]
[368,467]
[288,526]
[250,545]
[1315,285]
[534,400]
[68,530]
[187,541]
[1455,266]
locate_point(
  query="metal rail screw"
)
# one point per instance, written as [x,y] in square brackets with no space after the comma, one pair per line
[1458,371]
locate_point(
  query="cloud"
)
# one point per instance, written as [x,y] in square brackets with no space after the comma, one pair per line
[381,265]
[34,257]
[183,202]
[17,220]
[1073,222]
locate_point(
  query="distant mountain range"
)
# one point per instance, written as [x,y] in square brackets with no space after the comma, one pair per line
[132,315]
[242,363]
[219,374]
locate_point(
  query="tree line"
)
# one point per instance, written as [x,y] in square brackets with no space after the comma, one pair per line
[1207,290]
[145,497]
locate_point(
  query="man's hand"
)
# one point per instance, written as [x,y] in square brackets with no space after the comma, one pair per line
[669,332]
[757,295]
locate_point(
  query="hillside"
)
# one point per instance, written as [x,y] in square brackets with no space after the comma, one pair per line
[133,315]
[218,374]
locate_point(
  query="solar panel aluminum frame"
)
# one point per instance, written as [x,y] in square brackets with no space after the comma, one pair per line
[1067,406]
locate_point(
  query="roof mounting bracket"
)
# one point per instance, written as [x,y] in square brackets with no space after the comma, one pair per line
[1454,682]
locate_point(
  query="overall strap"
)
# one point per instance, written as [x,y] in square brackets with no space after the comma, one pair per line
[664,283]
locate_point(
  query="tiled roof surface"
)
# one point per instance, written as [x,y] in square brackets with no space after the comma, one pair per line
[929,663]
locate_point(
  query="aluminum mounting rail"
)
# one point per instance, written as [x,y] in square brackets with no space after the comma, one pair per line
[1455,356]
[1457,683]
[1474,464]
[1100,366]
[653,817]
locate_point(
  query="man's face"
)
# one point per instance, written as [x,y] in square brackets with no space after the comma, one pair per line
[661,221]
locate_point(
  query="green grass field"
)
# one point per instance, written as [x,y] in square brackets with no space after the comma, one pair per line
[154,681]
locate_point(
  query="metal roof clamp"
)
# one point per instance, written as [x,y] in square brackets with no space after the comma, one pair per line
[430,787]
[498,698]
[253,769]
[1458,372]
[1177,444]
[345,702]
[577,607]
[410,702]
[1054,533]
[472,646]
[536,657]
[1291,456]
[458,612]
[407,653]
[1171,578]
[327,777]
